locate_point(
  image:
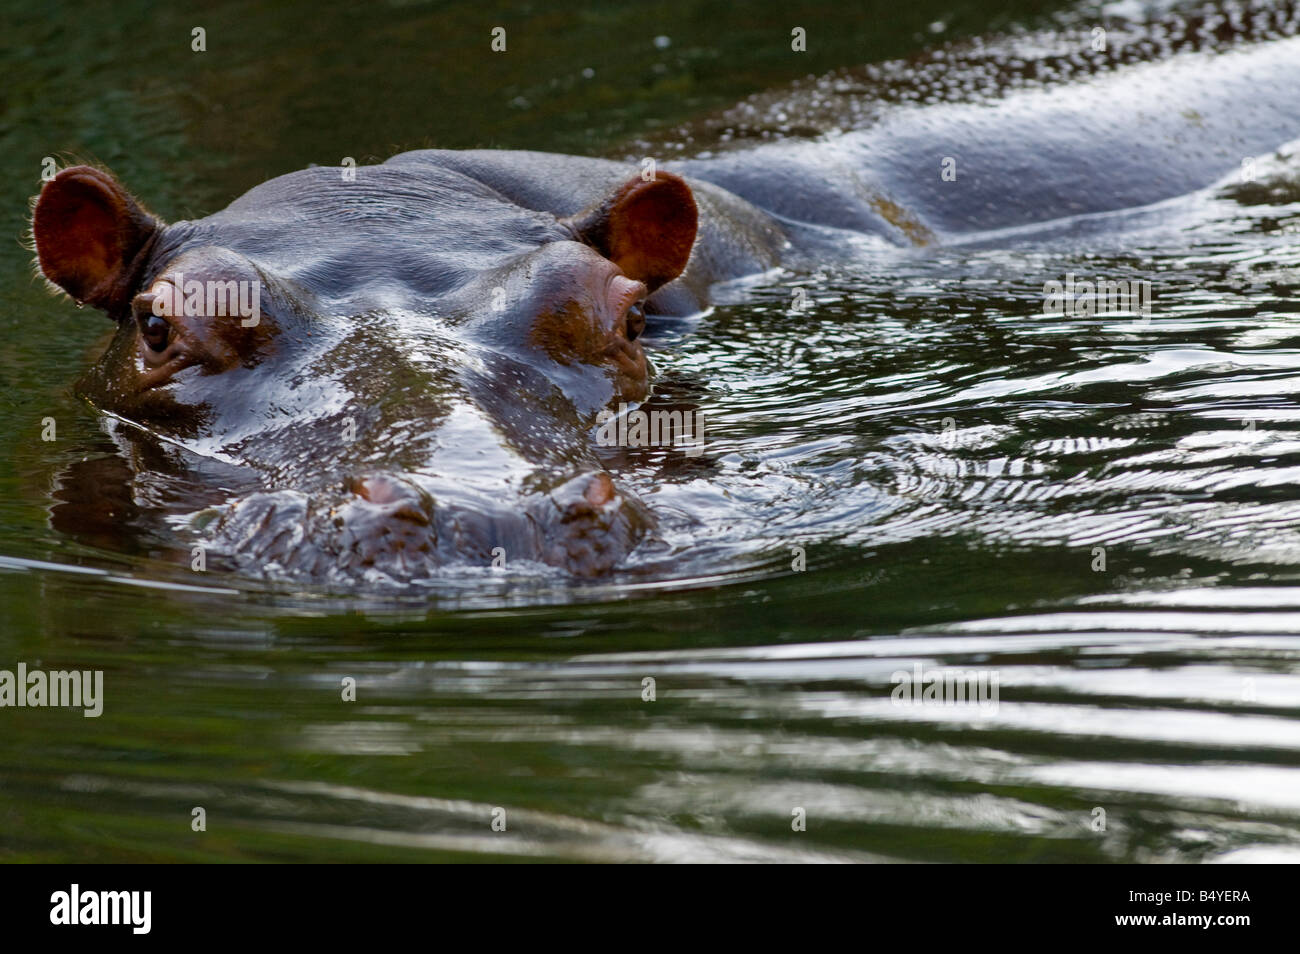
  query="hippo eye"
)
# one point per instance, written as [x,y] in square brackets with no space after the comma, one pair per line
[155,331]
[635,321]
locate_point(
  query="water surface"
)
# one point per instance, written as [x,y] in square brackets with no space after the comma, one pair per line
[947,462]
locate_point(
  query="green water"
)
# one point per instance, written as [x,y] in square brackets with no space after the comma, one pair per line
[946,457]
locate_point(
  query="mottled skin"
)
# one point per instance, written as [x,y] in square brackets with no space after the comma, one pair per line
[427,364]
[438,335]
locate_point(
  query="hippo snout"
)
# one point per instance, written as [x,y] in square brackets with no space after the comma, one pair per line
[388,527]
[588,525]
[386,523]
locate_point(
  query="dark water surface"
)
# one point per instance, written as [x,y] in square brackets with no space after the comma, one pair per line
[951,463]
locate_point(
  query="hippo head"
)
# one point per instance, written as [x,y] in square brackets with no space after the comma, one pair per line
[407,362]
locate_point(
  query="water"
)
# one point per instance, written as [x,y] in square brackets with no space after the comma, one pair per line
[1099,509]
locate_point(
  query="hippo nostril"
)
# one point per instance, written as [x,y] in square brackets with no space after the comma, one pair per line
[635,321]
[377,490]
[398,500]
[411,512]
[599,491]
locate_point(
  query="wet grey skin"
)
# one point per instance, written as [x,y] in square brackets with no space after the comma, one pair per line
[438,335]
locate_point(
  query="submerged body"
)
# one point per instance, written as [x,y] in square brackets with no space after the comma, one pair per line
[436,336]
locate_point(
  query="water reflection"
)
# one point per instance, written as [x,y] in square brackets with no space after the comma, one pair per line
[950,461]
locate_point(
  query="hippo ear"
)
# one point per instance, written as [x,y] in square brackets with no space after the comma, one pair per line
[646,228]
[92,238]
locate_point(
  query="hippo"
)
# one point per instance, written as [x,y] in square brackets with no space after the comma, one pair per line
[386,372]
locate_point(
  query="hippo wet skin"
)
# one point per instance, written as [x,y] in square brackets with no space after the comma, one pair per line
[401,369]
[424,365]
